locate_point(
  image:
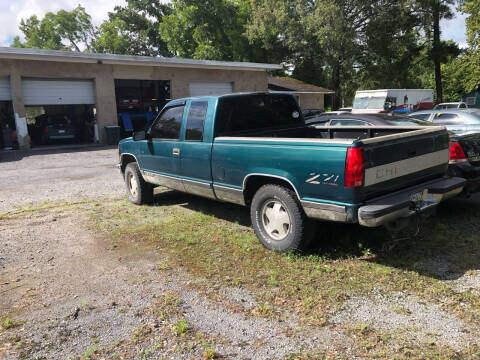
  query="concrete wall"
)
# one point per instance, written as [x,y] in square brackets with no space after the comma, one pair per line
[104,76]
[312,101]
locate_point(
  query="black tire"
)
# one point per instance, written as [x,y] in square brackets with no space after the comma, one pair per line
[278,233]
[143,192]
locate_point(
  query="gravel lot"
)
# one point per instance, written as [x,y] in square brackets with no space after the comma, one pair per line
[58,175]
[74,293]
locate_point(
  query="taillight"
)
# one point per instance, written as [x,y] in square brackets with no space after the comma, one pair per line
[456,153]
[45,130]
[354,169]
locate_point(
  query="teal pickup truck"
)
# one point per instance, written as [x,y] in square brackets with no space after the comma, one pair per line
[254,149]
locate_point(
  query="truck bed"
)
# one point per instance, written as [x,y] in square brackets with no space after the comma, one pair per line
[394,158]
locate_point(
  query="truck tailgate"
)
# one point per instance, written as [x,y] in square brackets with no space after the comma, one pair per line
[401,160]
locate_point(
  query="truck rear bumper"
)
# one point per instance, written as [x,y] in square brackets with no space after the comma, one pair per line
[388,208]
[409,201]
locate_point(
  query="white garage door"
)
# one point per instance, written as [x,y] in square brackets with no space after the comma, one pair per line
[5,93]
[58,92]
[205,89]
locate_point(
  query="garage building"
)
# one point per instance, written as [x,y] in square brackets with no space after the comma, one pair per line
[40,89]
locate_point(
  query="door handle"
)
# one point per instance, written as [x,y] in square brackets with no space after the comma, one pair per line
[176,151]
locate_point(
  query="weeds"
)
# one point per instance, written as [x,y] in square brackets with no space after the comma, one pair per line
[180,327]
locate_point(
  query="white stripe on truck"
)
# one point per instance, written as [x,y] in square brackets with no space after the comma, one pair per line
[400,168]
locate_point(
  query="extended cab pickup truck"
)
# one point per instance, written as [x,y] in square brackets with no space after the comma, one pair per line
[255,149]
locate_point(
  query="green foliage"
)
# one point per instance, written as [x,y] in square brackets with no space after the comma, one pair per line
[64,30]
[470,61]
[211,29]
[180,327]
[134,30]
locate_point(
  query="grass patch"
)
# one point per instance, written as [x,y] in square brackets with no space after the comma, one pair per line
[9,323]
[213,241]
[180,327]
[349,261]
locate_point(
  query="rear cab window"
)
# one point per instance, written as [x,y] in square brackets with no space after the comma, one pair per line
[243,114]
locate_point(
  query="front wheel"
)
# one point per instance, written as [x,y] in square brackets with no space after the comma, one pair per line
[278,219]
[138,190]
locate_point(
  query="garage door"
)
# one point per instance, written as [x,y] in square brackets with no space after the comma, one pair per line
[58,92]
[205,89]
[5,94]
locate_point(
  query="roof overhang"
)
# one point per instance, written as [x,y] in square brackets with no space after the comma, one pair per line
[111,59]
[301,92]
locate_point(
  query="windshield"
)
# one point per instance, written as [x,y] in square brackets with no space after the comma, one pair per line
[372,102]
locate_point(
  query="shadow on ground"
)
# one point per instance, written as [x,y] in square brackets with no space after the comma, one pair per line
[447,246]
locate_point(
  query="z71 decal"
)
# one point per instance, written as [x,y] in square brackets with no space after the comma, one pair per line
[325,179]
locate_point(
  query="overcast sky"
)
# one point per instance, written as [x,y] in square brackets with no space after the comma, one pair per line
[12,11]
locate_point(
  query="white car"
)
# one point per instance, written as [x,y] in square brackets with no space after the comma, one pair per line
[451,105]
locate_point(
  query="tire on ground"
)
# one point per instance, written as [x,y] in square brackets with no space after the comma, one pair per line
[273,231]
[138,190]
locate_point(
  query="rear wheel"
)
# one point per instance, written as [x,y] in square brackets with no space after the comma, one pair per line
[138,190]
[278,219]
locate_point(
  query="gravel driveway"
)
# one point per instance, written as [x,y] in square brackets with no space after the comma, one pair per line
[58,175]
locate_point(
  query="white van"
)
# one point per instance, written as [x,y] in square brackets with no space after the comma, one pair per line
[388,100]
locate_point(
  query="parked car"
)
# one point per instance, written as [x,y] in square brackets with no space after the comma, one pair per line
[458,121]
[451,105]
[464,128]
[49,128]
[464,158]
[256,150]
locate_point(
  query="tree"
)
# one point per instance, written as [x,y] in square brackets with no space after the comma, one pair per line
[389,48]
[113,38]
[323,34]
[470,61]
[209,29]
[134,29]
[64,30]
[430,12]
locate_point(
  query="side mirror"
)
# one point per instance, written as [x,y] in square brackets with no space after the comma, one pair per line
[139,135]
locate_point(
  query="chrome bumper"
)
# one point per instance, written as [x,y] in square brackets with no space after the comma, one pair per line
[399,205]
[388,208]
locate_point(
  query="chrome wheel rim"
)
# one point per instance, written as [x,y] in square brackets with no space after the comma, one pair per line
[276,220]
[132,185]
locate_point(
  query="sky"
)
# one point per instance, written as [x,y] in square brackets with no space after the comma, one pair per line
[12,11]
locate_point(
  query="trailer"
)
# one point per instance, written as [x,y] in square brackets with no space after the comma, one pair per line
[392,100]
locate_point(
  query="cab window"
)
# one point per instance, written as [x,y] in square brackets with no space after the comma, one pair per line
[168,125]
[196,120]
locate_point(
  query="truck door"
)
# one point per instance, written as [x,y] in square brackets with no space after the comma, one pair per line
[161,155]
[196,151]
